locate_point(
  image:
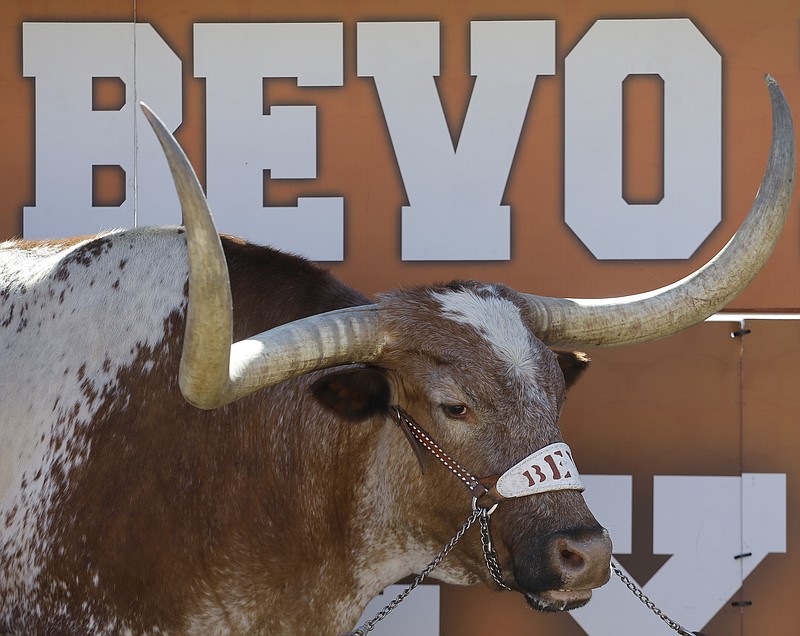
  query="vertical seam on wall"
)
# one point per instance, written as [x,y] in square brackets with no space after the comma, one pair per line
[743,328]
[135,126]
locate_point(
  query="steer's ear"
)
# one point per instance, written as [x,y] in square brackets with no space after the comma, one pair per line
[573,364]
[354,394]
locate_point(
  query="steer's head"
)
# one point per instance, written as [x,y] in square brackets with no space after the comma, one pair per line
[462,361]
[470,362]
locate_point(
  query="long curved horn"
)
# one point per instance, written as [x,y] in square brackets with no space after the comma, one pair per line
[665,311]
[214,372]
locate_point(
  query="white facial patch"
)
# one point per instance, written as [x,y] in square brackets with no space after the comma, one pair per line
[498,321]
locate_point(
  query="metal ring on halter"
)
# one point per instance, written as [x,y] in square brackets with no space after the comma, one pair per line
[476,507]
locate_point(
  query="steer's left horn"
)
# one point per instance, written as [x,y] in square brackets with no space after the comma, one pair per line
[215,372]
[616,321]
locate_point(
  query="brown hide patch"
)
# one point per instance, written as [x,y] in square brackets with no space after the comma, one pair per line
[270,287]
[118,554]
[173,509]
[83,544]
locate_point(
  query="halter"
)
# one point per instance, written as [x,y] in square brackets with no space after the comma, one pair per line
[547,469]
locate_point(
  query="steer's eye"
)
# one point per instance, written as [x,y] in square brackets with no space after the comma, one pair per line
[455,411]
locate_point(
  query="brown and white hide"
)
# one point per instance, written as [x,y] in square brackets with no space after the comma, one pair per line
[124,510]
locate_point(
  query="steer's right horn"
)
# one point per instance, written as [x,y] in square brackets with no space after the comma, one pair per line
[215,372]
[608,322]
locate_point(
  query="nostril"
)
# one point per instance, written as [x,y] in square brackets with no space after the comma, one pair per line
[572,559]
[581,559]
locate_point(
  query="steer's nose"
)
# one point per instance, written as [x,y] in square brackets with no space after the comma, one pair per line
[583,558]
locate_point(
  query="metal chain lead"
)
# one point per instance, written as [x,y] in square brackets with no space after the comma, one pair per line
[370,624]
[489,555]
[638,593]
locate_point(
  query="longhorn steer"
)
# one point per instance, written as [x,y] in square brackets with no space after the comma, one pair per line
[292,500]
